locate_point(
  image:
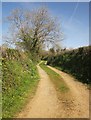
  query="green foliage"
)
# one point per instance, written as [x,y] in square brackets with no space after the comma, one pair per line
[0,89]
[76,62]
[56,78]
[20,78]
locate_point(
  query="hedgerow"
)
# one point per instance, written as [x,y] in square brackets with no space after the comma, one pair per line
[20,78]
[76,62]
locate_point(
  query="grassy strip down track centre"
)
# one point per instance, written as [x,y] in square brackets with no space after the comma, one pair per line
[56,78]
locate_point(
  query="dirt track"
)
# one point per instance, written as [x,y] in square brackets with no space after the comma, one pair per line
[47,103]
[78,96]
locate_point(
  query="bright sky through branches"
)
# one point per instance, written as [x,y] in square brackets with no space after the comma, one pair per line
[73,16]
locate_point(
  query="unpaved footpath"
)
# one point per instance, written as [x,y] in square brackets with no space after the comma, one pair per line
[78,97]
[47,104]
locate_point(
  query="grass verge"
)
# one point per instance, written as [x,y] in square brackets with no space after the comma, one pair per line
[19,82]
[66,71]
[0,89]
[56,78]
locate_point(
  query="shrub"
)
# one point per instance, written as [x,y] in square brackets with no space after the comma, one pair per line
[76,62]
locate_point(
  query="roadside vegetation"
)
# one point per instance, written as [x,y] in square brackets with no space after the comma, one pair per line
[76,62]
[59,83]
[25,45]
[0,88]
[20,79]
[21,52]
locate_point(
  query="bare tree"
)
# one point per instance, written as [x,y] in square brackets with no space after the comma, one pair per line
[35,28]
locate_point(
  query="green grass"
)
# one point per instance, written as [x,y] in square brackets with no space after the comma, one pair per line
[56,78]
[20,80]
[0,104]
[0,89]
[66,71]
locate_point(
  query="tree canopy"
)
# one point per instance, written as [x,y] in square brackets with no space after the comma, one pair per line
[34,29]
